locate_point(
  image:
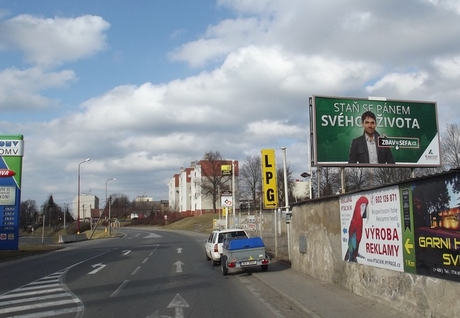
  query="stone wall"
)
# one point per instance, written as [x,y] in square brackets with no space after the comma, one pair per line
[316,250]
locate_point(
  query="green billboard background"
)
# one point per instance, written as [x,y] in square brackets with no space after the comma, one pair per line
[411,126]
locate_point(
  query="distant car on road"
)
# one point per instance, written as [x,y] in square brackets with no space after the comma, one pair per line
[213,245]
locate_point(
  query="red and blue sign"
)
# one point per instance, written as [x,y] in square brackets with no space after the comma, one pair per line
[11,153]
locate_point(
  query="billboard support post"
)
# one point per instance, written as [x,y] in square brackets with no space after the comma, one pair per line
[342,178]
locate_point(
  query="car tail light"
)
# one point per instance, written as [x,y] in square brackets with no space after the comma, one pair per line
[216,248]
[231,265]
[264,261]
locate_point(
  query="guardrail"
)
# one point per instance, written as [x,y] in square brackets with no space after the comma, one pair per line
[72,238]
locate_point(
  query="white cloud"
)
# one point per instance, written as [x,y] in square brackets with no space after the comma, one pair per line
[219,40]
[449,67]
[20,89]
[51,42]
[453,5]
[400,84]
[272,129]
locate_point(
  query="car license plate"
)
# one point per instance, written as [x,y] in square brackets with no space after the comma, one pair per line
[248,263]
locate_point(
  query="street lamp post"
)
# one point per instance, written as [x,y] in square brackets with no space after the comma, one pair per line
[286,203]
[233,193]
[78,196]
[108,201]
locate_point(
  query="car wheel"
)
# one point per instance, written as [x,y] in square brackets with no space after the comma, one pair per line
[223,264]
[214,263]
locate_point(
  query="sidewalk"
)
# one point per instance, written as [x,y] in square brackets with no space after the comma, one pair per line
[321,300]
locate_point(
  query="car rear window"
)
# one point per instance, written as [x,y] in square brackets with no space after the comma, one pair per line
[231,235]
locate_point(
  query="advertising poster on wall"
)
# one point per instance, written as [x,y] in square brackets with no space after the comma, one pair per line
[436,226]
[413,227]
[371,228]
[406,132]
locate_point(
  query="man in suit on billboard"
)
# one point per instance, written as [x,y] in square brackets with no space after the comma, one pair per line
[365,148]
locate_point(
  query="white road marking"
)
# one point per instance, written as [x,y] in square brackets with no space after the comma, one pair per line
[136,270]
[119,288]
[46,293]
[178,303]
[152,235]
[178,265]
[98,267]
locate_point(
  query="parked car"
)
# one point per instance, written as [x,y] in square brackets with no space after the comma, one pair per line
[213,245]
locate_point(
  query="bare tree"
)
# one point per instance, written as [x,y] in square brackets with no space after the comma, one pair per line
[356,178]
[212,179]
[143,207]
[53,213]
[28,212]
[251,177]
[363,178]
[450,146]
[120,205]
[420,172]
[329,181]
[384,175]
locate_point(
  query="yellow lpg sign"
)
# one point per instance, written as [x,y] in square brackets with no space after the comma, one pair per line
[226,170]
[269,178]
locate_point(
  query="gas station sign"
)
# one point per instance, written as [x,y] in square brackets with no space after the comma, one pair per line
[11,153]
[269,186]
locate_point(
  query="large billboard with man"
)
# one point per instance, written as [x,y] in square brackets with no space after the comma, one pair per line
[373,132]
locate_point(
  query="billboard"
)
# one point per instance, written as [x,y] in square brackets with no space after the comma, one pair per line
[407,132]
[434,227]
[371,228]
[412,227]
[269,186]
[11,152]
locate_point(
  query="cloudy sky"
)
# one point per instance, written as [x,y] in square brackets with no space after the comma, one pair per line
[143,88]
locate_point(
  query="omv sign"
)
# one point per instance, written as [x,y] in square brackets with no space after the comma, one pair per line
[6,173]
[11,147]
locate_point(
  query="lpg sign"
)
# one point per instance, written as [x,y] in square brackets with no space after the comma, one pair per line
[269,178]
[11,153]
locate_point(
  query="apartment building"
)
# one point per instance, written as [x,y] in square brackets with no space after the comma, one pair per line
[191,189]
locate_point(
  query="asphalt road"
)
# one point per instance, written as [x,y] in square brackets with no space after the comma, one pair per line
[145,273]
